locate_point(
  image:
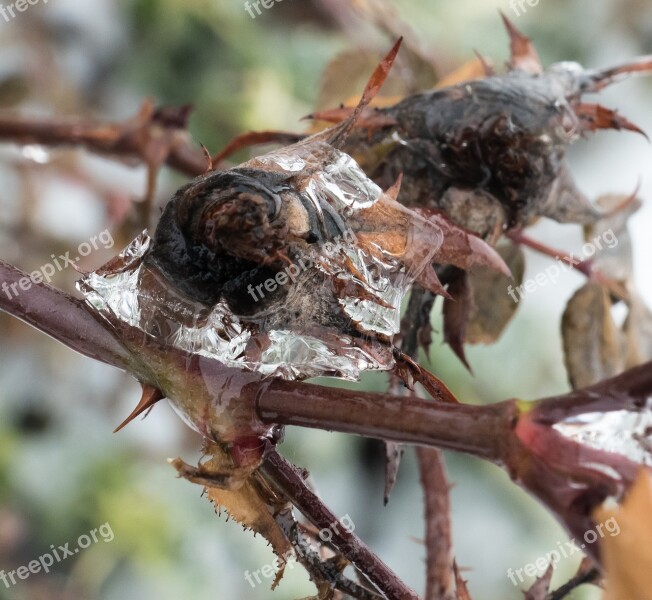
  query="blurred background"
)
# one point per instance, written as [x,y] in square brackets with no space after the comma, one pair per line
[62,471]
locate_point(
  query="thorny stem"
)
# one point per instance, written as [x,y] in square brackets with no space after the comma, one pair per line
[477,430]
[328,570]
[483,431]
[288,480]
[60,316]
[67,320]
[580,579]
[432,474]
[439,572]
[112,139]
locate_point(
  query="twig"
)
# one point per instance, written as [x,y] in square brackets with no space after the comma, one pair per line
[329,571]
[127,140]
[432,472]
[60,316]
[478,430]
[582,266]
[482,431]
[439,572]
[288,480]
[579,579]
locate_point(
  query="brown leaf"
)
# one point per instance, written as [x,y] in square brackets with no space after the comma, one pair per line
[627,554]
[492,307]
[248,504]
[593,345]
[473,69]
[347,74]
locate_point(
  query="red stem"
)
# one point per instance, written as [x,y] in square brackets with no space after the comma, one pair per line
[288,480]
[101,138]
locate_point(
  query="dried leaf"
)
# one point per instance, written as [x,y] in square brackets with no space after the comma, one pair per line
[346,75]
[627,556]
[593,345]
[492,306]
[248,504]
[473,69]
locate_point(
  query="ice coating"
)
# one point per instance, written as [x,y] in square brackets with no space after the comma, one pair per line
[141,298]
[342,189]
[623,432]
[138,294]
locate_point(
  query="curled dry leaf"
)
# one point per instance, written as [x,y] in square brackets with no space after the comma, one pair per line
[593,344]
[610,237]
[248,502]
[492,308]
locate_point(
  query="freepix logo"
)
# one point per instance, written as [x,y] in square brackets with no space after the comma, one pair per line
[56,555]
[255,5]
[519,8]
[11,11]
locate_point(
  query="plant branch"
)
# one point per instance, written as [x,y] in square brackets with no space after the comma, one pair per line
[287,479]
[439,574]
[60,316]
[589,576]
[478,430]
[582,266]
[127,140]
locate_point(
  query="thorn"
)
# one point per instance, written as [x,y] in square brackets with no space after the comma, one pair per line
[524,56]
[596,116]
[596,80]
[627,202]
[378,77]
[428,280]
[76,268]
[489,71]
[393,191]
[149,398]
[209,159]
